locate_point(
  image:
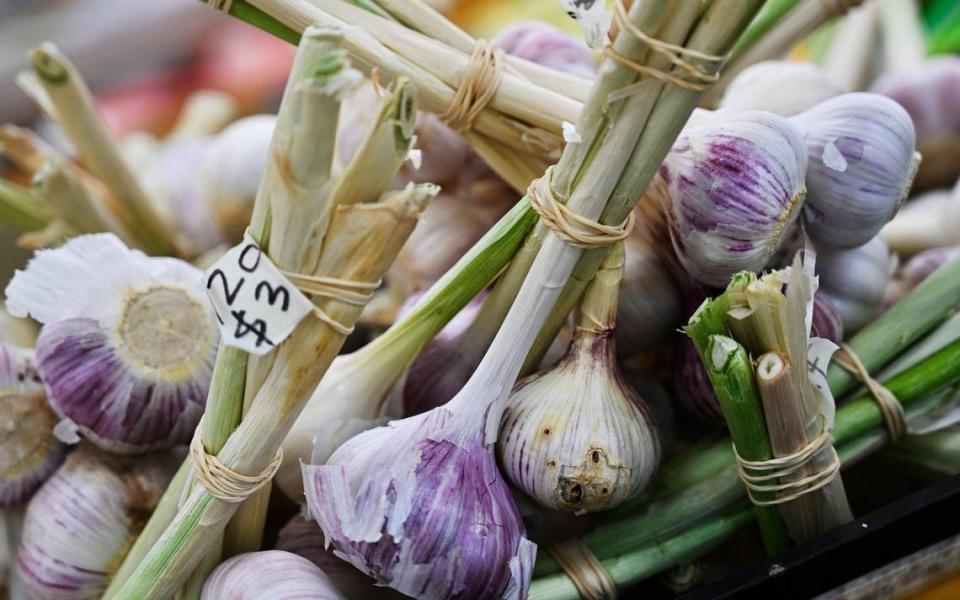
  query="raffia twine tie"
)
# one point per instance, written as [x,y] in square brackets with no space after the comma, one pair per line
[356,293]
[572,228]
[223,482]
[689,76]
[891,409]
[757,475]
[221,5]
[588,574]
[478,86]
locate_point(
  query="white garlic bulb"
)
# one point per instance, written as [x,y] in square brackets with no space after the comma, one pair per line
[80,523]
[779,86]
[731,188]
[855,281]
[928,221]
[577,437]
[862,162]
[273,574]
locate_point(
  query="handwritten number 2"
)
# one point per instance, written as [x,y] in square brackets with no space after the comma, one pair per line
[231,295]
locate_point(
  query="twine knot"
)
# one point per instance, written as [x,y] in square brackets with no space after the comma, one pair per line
[582,566]
[223,482]
[478,86]
[891,409]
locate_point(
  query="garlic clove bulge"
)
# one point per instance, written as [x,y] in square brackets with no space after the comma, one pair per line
[273,574]
[81,522]
[731,188]
[650,305]
[128,342]
[827,323]
[862,162]
[544,44]
[779,86]
[577,437]
[692,386]
[928,221]
[29,452]
[855,281]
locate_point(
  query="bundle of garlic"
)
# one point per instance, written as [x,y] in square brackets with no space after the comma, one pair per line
[576,437]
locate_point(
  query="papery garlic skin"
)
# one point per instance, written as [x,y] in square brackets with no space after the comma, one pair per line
[862,161]
[731,188]
[855,281]
[577,437]
[29,452]
[273,574]
[927,221]
[128,342]
[779,86]
[544,44]
[81,522]
[692,386]
[420,505]
[826,322]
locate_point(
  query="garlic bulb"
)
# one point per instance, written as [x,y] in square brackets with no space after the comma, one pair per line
[930,93]
[29,452]
[731,188]
[855,280]
[305,538]
[128,341]
[692,385]
[649,305]
[80,523]
[929,221]
[779,86]
[862,163]
[826,322]
[576,437]
[544,44]
[273,574]
[916,270]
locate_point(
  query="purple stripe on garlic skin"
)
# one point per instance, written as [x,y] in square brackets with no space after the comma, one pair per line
[272,574]
[29,452]
[421,506]
[544,44]
[826,320]
[692,386]
[731,189]
[128,342]
[79,524]
[862,162]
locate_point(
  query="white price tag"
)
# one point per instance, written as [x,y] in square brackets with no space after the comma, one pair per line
[592,17]
[255,303]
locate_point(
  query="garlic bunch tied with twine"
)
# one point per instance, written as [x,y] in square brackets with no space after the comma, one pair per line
[855,281]
[862,162]
[779,86]
[271,574]
[81,522]
[577,437]
[128,341]
[29,452]
[731,187]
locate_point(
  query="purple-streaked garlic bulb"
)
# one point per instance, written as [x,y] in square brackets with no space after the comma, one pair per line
[731,188]
[650,304]
[930,93]
[80,524]
[692,385]
[577,437]
[420,505]
[305,538]
[826,320]
[273,574]
[29,452]
[928,221]
[918,268]
[127,345]
[855,281]
[544,44]
[779,86]
[862,151]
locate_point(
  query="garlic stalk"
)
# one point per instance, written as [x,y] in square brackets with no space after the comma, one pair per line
[576,437]
[916,270]
[855,281]
[862,163]
[81,522]
[29,452]
[128,341]
[731,188]
[764,85]
[929,221]
[930,92]
[271,574]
